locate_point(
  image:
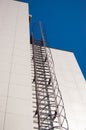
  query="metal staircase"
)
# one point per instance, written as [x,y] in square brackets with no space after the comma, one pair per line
[49,111]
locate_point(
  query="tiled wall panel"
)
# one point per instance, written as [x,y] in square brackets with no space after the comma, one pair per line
[15,67]
[73,88]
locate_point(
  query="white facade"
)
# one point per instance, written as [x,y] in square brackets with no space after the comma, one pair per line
[15,71]
[73,88]
[15,74]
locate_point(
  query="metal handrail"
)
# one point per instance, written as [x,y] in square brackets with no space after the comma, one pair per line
[62,118]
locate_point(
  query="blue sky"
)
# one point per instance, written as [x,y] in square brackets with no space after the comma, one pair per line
[65,23]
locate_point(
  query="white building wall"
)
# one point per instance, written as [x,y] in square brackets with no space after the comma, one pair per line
[15,74]
[73,88]
[15,67]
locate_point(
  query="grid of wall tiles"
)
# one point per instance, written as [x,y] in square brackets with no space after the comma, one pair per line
[73,87]
[15,70]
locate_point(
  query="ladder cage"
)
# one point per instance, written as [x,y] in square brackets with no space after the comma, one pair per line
[49,111]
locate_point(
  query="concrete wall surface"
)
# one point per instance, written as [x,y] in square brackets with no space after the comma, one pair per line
[15,67]
[73,88]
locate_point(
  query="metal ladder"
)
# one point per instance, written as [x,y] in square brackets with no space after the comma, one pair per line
[49,111]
